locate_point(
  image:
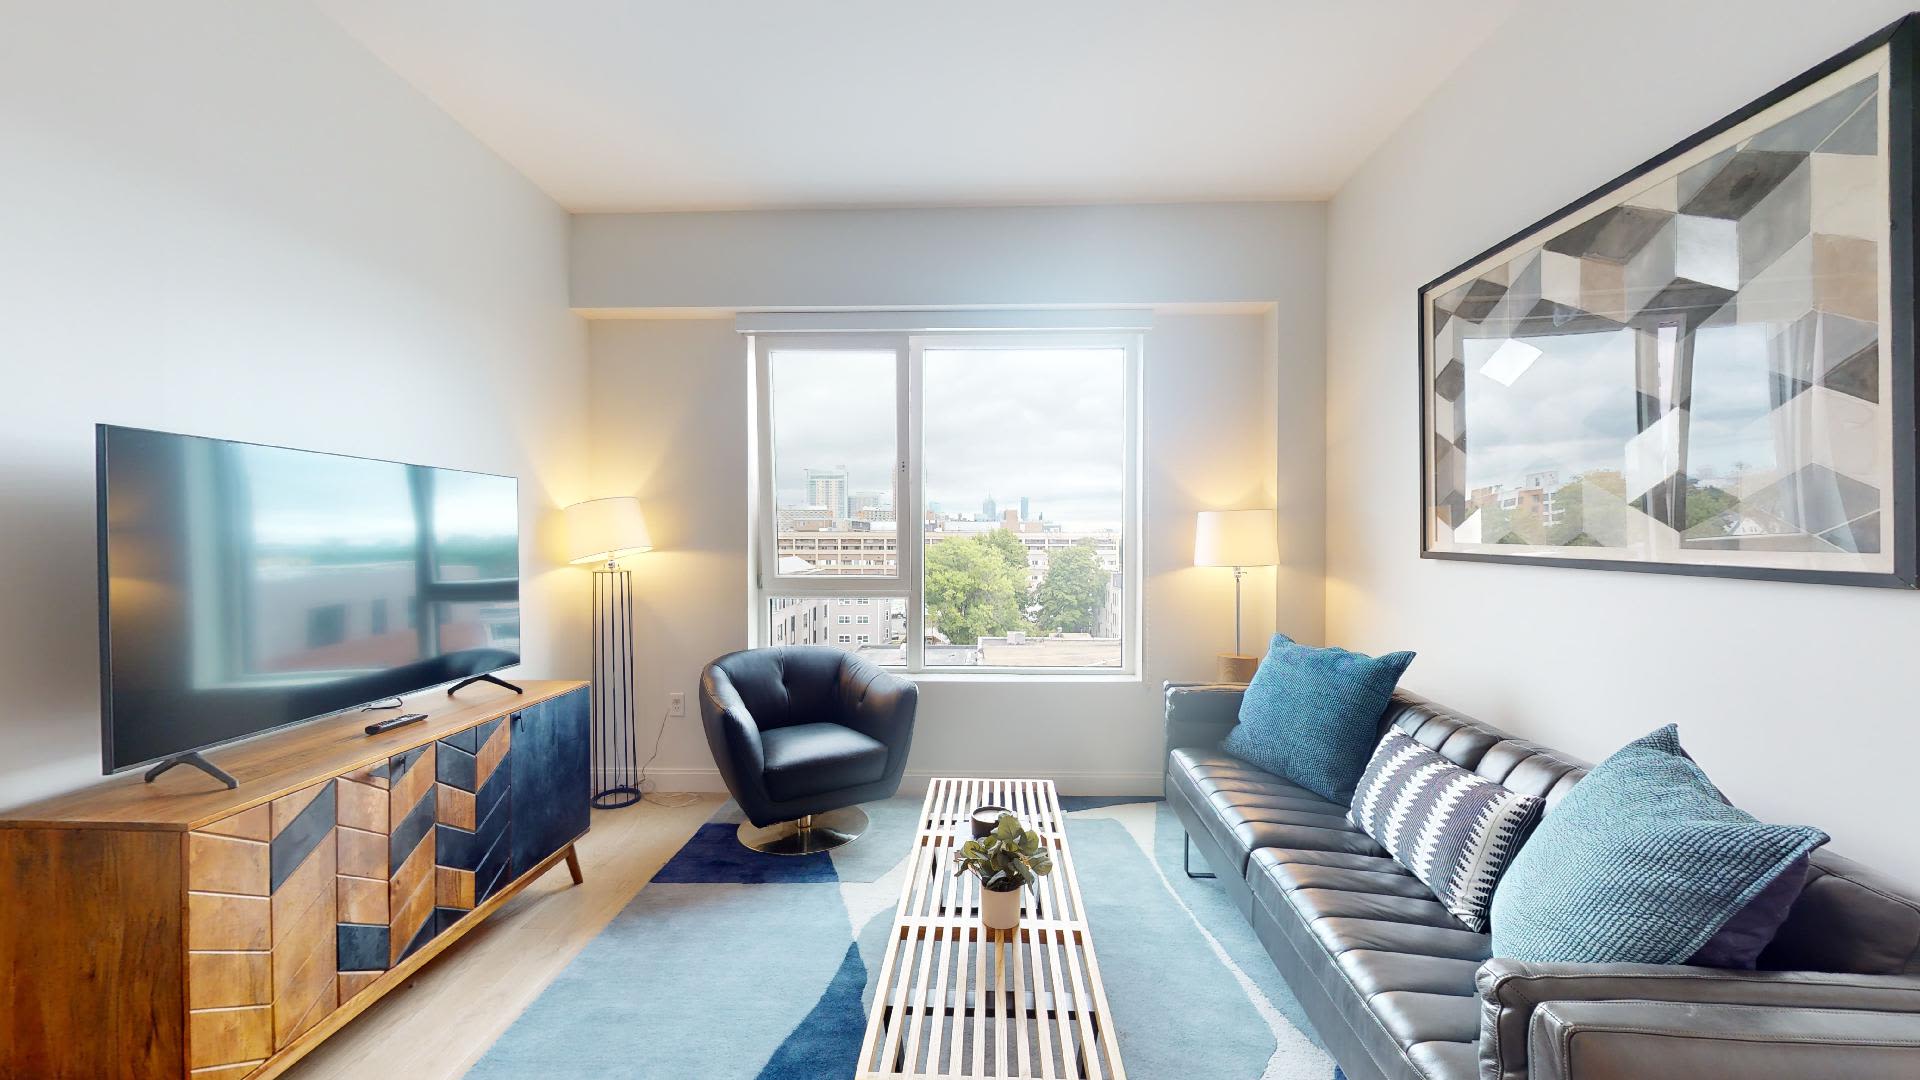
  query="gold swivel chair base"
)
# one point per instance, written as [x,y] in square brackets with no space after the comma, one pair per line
[815,832]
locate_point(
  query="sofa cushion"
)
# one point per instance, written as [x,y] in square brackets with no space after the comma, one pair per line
[1252,809]
[1312,716]
[1408,964]
[1454,829]
[1643,862]
[804,759]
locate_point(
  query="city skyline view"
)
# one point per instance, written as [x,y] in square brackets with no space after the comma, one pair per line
[1043,424]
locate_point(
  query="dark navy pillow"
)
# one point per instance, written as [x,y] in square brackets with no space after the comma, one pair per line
[1312,716]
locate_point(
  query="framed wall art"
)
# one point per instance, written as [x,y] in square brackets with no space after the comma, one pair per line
[1704,367]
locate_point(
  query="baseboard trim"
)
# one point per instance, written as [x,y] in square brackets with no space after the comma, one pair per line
[914,783]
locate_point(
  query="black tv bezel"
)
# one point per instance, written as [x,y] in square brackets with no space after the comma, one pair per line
[104,598]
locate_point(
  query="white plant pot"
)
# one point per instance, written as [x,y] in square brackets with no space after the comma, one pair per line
[1000,910]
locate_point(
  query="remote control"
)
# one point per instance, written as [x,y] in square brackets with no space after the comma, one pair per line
[392,722]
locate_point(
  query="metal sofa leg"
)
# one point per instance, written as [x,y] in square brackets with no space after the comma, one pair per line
[1186,858]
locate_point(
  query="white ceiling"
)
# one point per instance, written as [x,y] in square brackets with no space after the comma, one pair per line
[720,104]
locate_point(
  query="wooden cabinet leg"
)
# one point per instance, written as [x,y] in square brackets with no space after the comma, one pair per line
[573,864]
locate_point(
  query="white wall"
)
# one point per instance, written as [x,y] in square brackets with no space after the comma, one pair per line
[957,257]
[1796,698]
[1231,418]
[229,219]
[669,425]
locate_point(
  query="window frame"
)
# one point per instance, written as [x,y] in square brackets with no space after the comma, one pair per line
[906,583]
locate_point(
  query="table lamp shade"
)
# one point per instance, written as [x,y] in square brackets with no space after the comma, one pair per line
[1234,538]
[603,530]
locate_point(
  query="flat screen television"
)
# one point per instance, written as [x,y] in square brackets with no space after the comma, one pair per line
[246,587]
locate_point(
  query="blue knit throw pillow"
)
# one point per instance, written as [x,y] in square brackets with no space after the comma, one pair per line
[1312,716]
[1643,862]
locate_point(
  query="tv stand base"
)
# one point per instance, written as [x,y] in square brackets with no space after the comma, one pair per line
[494,679]
[194,758]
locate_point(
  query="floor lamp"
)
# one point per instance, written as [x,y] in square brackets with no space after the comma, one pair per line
[1236,538]
[600,533]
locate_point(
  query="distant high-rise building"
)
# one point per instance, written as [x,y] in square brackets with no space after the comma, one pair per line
[828,488]
[989,510]
[868,500]
[1025,508]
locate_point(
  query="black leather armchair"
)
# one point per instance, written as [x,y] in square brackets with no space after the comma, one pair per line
[802,734]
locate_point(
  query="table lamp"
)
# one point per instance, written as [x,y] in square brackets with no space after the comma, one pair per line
[1236,538]
[600,533]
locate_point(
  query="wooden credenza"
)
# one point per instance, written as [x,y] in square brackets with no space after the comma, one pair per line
[182,930]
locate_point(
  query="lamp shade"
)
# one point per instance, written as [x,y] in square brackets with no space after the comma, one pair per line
[602,530]
[1234,538]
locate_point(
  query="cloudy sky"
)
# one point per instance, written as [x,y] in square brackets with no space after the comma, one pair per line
[1046,424]
[1573,408]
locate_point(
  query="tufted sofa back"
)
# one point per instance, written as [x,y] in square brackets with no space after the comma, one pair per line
[1848,919]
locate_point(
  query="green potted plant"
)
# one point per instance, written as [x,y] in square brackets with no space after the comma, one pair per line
[1005,859]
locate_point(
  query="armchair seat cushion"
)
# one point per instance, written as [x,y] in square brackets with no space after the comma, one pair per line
[807,759]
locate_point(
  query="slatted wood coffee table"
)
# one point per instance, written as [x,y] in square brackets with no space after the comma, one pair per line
[958,1000]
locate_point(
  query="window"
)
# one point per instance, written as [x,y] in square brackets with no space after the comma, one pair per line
[981,489]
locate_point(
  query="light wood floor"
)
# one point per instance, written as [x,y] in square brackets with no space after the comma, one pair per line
[444,1019]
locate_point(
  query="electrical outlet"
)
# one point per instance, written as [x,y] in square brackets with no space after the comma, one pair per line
[676,704]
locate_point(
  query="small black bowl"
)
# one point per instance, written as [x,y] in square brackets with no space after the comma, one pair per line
[985,818]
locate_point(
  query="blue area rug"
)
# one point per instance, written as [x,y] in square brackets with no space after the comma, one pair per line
[732,964]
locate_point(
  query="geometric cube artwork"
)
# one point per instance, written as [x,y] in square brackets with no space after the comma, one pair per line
[1704,367]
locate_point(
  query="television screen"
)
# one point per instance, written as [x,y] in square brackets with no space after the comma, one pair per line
[247,587]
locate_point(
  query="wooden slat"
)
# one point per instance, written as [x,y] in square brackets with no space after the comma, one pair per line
[491,755]
[408,789]
[219,980]
[287,807]
[374,775]
[362,900]
[362,806]
[219,921]
[304,940]
[454,806]
[352,982]
[273,765]
[452,888]
[361,853]
[225,1072]
[224,864]
[410,898]
[254,824]
[957,1000]
[226,1036]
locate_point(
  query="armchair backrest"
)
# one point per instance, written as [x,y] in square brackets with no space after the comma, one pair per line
[790,684]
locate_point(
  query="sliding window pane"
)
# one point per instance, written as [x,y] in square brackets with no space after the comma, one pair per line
[1025,487]
[874,627]
[835,442]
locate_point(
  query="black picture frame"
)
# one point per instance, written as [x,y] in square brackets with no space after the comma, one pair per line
[1902,40]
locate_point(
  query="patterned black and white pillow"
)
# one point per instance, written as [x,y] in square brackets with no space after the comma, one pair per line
[1454,829]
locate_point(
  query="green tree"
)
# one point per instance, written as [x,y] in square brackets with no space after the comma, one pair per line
[1705,501]
[1073,590]
[971,590]
[1011,549]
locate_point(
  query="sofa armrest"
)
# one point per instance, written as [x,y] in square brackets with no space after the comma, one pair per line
[1201,714]
[1664,1040]
[1511,991]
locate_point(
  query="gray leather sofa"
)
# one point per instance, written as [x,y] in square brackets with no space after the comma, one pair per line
[1398,988]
